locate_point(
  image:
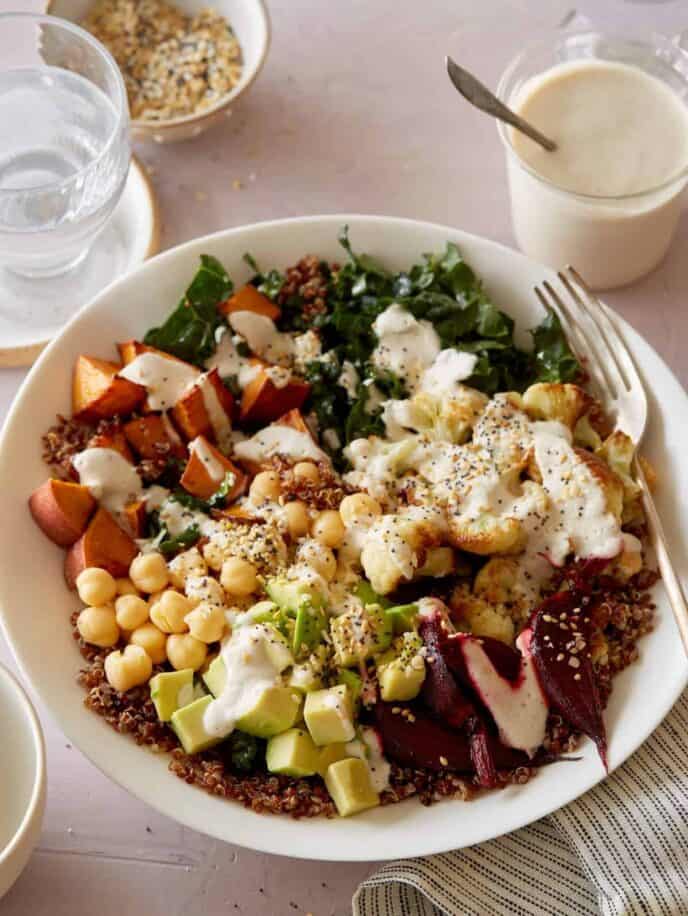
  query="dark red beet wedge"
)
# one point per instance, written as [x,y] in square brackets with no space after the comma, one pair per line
[507,661]
[560,651]
[440,691]
[482,755]
[411,738]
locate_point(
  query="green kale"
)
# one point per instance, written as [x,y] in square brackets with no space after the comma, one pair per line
[189,332]
[216,501]
[554,361]
[243,750]
[270,283]
[168,545]
[327,398]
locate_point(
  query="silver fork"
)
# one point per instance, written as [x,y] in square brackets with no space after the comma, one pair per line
[601,349]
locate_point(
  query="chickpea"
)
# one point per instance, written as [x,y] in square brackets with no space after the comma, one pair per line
[214,555]
[98,626]
[169,611]
[239,577]
[186,564]
[95,586]
[148,572]
[359,507]
[129,668]
[265,488]
[152,640]
[131,611]
[319,557]
[298,520]
[126,587]
[328,528]
[185,651]
[307,472]
[206,622]
[204,588]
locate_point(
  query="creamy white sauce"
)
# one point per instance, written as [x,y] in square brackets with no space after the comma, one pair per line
[110,478]
[177,518]
[228,362]
[619,131]
[220,422]
[349,379]
[306,349]
[216,470]
[254,658]
[155,496]
[165,380]
[519,710]
[279,376]
[278,440]
[449,368]
[406,346]
[369,748]
[262,336]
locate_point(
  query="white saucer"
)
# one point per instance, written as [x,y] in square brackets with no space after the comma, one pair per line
[32,312]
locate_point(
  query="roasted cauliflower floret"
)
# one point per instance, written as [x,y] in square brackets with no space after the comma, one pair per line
[478,616]
[378,465]
[618,450]
[609,481]
[503,430]
[486,533]
[556,401]
[496,580]
[396,546]
[585,434]
[630,560]
[448,417]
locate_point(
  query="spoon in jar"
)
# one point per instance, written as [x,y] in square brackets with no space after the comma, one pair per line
[480,96]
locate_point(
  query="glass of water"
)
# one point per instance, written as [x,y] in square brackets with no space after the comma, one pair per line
[64,143]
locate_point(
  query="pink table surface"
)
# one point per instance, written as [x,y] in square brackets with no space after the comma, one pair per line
[353,112]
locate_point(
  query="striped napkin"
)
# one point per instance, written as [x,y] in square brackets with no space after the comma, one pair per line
[620,850]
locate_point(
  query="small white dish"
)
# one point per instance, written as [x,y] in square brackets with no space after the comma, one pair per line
[31,575]
[32,312]
[22,780]
[251,24]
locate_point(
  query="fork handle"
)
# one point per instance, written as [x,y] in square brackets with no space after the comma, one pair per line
[673,587]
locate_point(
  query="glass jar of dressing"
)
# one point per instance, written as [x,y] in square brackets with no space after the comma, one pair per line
[608,199]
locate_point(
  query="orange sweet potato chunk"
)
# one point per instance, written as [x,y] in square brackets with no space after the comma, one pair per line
[190,414]
[262,401]
[197,480]
[294,419]
[62,510]
[248,299]
[152,437]
[116,440]
[97,392]
[103,544]
[136,517]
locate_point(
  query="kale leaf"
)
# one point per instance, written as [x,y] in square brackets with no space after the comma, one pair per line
[189,332]
[216,501]
[168,545]
[554,361]
[270,283]
[243,751]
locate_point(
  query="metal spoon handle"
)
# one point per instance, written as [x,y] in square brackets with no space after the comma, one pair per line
[480,96]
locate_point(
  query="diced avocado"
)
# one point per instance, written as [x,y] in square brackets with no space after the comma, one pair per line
[402,617]
[359,633]
[365,592]
[401,670]
[188,724]
[308,628]
[262,612]
[276,709]
[170,690]
[329,754]
[352,680]
[292,753]
[348,782]
[215,676]
[308,675]
[290,595]
[329,715]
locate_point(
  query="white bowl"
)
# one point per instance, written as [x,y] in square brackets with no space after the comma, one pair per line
[251,24]
[22,780]
[35,605]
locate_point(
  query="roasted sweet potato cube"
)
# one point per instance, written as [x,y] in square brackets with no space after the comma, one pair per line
[239,514]
[135,514]
[294,419]
[198,477]
[62,510]
[191,415]
[248,299]
[153,436]
[103,544]
[262,401]
[97,392]
[130,349]
[115,440]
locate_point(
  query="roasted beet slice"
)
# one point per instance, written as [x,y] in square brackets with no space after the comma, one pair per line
[560,650]
[410,737]
[507,661]
[482,755]
[440,691]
